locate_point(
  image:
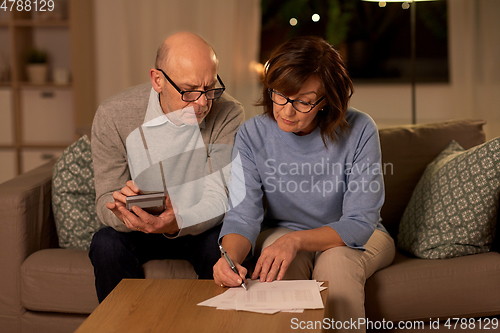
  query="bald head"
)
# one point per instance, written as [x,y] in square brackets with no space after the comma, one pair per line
[188,64]
[184,47]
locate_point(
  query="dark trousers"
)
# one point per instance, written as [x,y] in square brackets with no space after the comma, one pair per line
[118,255]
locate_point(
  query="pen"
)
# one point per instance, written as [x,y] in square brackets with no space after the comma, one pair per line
[231,264]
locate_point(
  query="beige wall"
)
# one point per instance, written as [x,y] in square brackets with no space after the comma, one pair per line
[128,33]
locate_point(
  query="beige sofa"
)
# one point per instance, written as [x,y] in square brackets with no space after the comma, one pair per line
[48,289]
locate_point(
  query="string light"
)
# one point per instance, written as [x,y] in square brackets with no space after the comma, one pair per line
[315,17]
[293,21]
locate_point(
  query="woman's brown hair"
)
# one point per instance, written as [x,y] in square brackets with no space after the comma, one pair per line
[293,62]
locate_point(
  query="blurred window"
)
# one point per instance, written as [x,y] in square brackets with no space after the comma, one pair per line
[374,40]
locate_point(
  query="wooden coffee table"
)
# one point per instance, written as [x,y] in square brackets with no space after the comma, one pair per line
[170,306]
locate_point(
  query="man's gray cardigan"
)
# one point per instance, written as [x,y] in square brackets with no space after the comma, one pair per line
[121,114]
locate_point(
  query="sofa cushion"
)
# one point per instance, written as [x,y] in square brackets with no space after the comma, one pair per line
[419,289]
[58,280]
[406,151]
[453,209]
[169,269]
[73,196]
[62,280]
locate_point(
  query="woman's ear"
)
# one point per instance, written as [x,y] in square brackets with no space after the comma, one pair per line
[323,105]
[156,79]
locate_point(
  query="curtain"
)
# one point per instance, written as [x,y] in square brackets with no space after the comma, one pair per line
[128,33]
[474,55]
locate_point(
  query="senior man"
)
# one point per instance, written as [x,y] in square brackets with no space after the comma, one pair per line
[185,93]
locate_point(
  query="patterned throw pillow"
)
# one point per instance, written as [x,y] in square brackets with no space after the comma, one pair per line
[453,209]
[73,196]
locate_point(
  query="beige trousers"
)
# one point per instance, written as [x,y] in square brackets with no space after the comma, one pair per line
[345,269]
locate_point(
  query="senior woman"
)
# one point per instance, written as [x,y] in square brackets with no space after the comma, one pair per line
[317,165]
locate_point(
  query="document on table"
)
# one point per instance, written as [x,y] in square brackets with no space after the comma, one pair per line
[270,297]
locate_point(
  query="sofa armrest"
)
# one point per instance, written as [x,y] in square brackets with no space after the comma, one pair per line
[26,226]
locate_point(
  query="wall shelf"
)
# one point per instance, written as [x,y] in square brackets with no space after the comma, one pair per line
[42,119]
[42,145]
[41,24]
[48,85]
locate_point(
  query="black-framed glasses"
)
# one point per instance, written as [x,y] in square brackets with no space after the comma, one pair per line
[299,105]
[194,95]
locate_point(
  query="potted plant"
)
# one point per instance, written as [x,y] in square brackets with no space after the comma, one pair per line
[37,66]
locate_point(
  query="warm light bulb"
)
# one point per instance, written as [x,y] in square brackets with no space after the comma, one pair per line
[315,17]
[405,5]
[293,21]
[382,4]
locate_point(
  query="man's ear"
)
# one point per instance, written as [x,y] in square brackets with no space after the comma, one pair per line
[155,79]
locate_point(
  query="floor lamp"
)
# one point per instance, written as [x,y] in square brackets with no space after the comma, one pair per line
[413,20]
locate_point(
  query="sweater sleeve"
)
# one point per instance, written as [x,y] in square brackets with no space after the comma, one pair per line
[110,167]
[214,202]
[245,189]
[364,195]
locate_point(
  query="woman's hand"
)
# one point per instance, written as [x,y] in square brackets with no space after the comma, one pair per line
[237,248]
[224,275]
[277,257]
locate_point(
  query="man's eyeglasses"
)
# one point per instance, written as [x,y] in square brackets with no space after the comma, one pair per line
[300,106]
[194,95]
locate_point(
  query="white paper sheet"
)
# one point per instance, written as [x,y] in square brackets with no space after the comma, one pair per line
[271,297]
